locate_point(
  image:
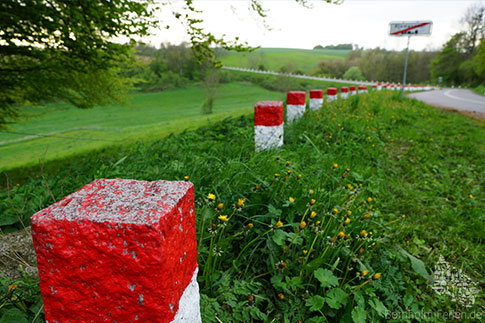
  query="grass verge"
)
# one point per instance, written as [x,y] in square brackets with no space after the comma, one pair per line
[387,187]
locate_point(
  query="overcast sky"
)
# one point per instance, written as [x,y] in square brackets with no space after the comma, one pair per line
[362,22]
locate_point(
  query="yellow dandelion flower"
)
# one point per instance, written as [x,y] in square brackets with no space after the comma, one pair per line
[341,234]
[220,206]
[335,165]
[278,224]
[313,214]
[361,250]
[12,287]
[370,232]
[311,192]
[317,223]
[211,197]
[299,176]
[276,175]
[367,215]
[347,236]
[186,178]
[377,276]
[250,225]
[349,212]
[371,207]
[305,252]
[363,233]
[470,196]
[349,186]
[369,199]
[302,225]
[240,202]
[335,211]
[365,272]
[347,221]
[223,218]
[288,171]
[292,200]
[281,296]
[312,201]
[403,216]
[347,169]
[288,163]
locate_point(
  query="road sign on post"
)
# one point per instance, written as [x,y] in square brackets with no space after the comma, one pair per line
[409,28]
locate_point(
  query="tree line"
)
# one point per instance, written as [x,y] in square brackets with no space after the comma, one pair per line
[462,59]
[378,65]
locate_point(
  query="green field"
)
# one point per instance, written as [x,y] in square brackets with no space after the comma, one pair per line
[275,58]
[66,130]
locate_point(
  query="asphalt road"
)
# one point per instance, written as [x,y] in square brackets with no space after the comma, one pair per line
[458,99]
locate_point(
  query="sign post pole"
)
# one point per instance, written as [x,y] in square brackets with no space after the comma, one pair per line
[405,69]
[409,28]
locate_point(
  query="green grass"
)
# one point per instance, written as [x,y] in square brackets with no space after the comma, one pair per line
[479,89]
[411,159]
[148,116]
[274,59]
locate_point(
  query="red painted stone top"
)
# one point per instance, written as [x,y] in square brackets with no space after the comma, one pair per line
[344,89]
[118,201]
[316,94]
[352,88]
[361,87]
[296,98]
[268,113]
[332,91]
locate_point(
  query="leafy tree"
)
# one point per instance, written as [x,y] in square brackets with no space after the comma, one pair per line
[479,62]
[65,50]
[57,49]
[353,73]
[448,60]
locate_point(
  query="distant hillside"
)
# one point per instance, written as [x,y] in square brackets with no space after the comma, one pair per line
[282,59]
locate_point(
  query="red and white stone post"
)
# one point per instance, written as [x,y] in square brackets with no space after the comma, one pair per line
[362,89]
[344,92]
[353,90]
[119,251]
[295,105]
[316,99]
[379,86]
[332,94]
[268,125]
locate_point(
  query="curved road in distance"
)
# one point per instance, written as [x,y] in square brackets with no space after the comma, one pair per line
[458,99]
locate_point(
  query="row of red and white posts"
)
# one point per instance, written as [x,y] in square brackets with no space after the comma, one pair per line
[269,115]
[123,250]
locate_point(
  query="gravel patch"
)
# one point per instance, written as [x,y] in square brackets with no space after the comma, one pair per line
[17,249]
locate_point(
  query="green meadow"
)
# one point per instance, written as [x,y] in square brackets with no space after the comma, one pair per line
[276,58]
[59,130]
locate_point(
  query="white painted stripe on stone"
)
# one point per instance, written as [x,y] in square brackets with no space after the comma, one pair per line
[316,104]
[344,95]
[267,137]
[189,303]
[294,112]
[331,98]
[353,93]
